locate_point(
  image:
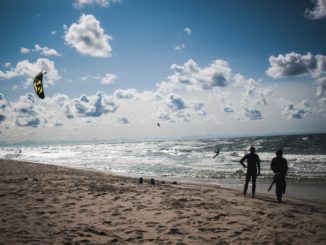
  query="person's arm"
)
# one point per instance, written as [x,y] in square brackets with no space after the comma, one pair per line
[273,165]
[258,165]
[242,160]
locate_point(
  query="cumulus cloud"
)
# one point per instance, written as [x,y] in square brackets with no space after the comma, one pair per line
[26,112]
[187,30]
[41,50]
[94,106]
[3,105]
[228,109]
[123,120]
[176,103]
[102,3]
[125,93]
[252,114]
[46,51]
[192,77]
[24,50]
[318,11]
[199,108]
[29,70]
[109,78]
[254,93]
[321,94]
[297,111]
[293,64]
[321,87]
[88,37]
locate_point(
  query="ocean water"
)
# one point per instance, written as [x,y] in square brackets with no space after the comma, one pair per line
[189,159]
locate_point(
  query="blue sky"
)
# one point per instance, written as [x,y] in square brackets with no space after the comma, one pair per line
[200,68]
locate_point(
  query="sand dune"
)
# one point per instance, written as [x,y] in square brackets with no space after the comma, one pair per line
[44,204]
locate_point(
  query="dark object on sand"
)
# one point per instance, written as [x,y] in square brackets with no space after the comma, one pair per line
[140,180]
[271,184]
[152,182]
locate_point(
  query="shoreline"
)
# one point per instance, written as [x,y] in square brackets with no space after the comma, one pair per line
[48,204]
[302,189]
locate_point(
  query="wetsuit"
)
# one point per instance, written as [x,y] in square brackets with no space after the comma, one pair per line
[279,166]
[253,163]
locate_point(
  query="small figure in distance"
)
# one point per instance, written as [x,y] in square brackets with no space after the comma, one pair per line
[279,166]
[158,124]
[253,164]
[217,152]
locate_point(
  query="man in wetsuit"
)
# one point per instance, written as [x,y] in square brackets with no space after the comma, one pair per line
[253,163]
[279,166]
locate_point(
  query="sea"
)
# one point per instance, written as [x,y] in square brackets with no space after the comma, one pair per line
[193,160]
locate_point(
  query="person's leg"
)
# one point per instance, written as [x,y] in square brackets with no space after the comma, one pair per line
[254,177]
[279,190]
[246,184]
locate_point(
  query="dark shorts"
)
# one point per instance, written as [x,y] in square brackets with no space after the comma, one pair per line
[252,175]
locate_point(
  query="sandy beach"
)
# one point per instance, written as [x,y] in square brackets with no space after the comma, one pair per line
[46,204]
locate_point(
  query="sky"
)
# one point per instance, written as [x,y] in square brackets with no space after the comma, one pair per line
[117,68]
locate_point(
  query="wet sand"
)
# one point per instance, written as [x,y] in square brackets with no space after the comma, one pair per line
[46,204]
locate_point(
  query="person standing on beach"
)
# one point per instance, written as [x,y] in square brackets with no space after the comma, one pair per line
[253,164]
[279,166]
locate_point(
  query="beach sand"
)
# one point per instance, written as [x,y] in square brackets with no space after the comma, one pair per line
[46,204]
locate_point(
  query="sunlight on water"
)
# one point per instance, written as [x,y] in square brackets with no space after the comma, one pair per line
[306,156]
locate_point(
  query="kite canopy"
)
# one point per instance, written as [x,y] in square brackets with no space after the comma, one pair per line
[38,85]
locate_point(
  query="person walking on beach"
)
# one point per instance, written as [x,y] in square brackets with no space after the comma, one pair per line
[279,166]
[253,164]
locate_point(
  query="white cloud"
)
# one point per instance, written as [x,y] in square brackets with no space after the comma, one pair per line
[3,105]
[123,120]
[88,37]
[94,106]
[30,70]
[176,103]
[7,65]
[180,47]
[102,3]
[293,64]
[42,50]
[125,93]
[192,77]
[318,11]
[299,110]
[199,108]
[187,30]
[90,77]
[53,33]
[46,51]
[321,87]
[321,94]
[252,114]
[24,50]
[26,112]
[109,78]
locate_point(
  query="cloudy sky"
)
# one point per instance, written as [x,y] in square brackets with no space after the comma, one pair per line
[115,68]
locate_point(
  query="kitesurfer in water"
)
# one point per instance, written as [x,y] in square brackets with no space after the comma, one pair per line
[279,166]
[253,164]
[217,152]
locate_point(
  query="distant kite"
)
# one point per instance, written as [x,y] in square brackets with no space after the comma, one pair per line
[158,124]
[38,85]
